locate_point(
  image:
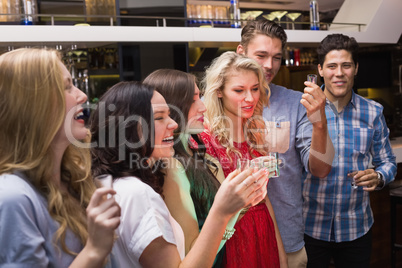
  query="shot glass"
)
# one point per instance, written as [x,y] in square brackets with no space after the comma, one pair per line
[243,164]
[269,161]
[351,174]
[273,164]
[106,180]
[312,78]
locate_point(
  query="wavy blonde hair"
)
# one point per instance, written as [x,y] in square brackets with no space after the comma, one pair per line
[214,80]
[32,110]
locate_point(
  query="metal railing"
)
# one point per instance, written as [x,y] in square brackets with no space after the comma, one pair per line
[115,20]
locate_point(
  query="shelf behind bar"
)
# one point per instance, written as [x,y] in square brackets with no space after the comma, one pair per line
[27,35]
[16,35]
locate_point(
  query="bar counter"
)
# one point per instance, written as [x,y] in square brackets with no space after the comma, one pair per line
[396,144]
[381,206]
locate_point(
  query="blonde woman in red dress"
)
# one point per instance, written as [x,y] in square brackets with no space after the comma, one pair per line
[235,93]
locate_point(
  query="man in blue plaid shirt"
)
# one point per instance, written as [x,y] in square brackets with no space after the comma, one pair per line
[338,217]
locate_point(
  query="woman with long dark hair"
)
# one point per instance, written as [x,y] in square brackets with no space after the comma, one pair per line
[192,179]
[132,138]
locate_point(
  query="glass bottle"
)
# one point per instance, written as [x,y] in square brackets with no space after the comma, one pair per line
[28,7]
[234,14]
[297,57]
[314,15]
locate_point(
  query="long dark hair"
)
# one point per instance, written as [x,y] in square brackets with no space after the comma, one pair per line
[122,126]
[178,88]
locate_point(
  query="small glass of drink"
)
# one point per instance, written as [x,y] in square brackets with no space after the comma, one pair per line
[312,78]
[243,164]
[106,180]
[351,175]
[269,161]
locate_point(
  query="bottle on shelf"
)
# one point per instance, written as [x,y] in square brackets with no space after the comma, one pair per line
[297,57]
[85,87]
[74,76]
[28,7]
[190,14]
[314,15]
[110,58]
[287,56]
[291,57]
[220,16]
[10,7]
[234,14]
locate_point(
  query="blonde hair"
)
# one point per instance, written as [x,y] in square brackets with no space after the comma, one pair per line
[214,81]
[32,110]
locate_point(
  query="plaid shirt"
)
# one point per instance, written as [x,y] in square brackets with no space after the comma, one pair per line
[360,135]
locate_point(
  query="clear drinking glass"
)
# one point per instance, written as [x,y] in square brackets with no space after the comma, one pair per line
[279,15]
[243,164]
[106,180]
[312,78]
[293,17]
[269,161]
[269,16]
[351,174]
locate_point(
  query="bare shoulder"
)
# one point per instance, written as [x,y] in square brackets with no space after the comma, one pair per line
[175,175]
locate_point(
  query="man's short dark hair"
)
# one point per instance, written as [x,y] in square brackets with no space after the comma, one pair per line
[337,42]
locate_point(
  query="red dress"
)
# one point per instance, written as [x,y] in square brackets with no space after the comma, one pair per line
[253,245]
